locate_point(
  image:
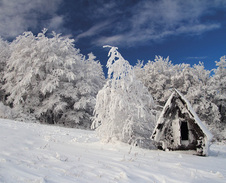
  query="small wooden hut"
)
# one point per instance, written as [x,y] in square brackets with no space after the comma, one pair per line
[179,128]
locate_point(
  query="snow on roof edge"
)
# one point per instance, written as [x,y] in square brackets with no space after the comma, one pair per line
[197,120]
[159,121]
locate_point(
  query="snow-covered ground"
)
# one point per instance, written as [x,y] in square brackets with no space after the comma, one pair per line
[35,153]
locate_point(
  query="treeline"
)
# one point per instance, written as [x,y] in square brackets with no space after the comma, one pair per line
[46,79]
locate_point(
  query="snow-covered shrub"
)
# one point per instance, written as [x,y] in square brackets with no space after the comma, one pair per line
[124,107]
[50,79]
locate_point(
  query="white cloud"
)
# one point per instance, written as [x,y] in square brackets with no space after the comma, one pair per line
[119,22]
[112,40]
[142,36]
[17,16]
[196,58]
[55,22]
[154,20]
[94,30]
[197,29]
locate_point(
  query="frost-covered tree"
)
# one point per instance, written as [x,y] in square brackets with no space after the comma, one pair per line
[124,107]
[4,55]
[157,77]
[218,85]
[199,94]
[90,79]
[48,78]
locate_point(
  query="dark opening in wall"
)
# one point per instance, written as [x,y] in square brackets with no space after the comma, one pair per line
[184,131]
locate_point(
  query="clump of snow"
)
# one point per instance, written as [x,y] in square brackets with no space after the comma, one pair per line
[31,152]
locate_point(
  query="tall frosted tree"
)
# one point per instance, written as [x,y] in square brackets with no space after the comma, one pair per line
[48,78]
[124,107]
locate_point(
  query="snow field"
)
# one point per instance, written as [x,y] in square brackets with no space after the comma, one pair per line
[35,153]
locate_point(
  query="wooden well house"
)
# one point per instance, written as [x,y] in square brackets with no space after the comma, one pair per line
[179,128]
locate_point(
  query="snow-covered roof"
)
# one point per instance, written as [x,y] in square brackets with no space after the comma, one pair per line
[197,120]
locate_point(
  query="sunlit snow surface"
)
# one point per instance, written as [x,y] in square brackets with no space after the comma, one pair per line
[37,153]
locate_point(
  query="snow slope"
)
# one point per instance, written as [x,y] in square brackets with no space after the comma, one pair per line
[35,153]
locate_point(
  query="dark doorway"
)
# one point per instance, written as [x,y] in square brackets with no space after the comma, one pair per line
[184,131]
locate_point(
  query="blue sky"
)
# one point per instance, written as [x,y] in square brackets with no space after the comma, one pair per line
[186,31]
